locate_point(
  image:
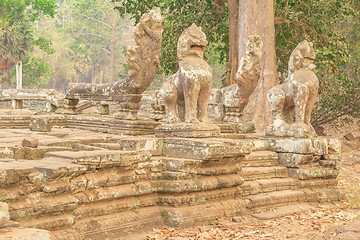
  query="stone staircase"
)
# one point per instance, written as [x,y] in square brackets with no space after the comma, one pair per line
[85,185]
[266,183]
[11,230]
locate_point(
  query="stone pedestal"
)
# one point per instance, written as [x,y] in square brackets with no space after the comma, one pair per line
[104,109]
[69,107]
[17,104]
[188,130]
[314,162]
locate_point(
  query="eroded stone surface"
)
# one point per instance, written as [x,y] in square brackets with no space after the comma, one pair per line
[199,130]
[292,101]
[236,97]
[187,92]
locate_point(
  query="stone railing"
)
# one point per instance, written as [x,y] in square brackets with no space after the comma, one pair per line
[17,96]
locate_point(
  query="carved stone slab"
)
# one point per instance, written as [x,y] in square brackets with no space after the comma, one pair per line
[188,130]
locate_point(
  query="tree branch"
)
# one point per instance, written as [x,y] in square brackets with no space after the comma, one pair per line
[104,10]
[97,35]
[96,20]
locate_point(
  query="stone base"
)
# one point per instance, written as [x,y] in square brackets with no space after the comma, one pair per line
[188,130]
[240,127]
[291,130]
[111,125]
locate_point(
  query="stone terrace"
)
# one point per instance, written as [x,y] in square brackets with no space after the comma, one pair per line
[80,184]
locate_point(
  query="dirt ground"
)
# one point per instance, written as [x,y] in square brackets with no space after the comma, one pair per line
[340,220]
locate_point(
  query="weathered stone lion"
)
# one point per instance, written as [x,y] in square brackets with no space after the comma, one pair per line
[235,97]
[294,99]
[189,89]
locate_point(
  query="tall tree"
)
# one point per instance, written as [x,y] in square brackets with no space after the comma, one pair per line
[96,24]
[262,13]
[16,36]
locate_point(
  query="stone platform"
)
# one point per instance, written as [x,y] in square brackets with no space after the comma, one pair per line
[81,184]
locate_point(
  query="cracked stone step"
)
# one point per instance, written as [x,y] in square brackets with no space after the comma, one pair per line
[103,157]
[269,185]
[273,199]
[24,234]
[200,184]
[254,173]
[282,211]
[50,223]
[261,159]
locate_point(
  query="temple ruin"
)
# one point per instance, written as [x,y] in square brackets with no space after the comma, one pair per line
[110,174]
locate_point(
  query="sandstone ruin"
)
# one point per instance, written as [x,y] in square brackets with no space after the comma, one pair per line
[97,177]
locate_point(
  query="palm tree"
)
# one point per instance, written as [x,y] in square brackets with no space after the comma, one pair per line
[15,36]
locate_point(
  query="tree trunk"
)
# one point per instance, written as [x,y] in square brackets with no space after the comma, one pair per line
[257,17]
[19,75]
[232,65]
[5,80]
[112,47]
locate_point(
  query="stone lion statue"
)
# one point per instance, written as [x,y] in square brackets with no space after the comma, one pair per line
[187,92]
[292,101]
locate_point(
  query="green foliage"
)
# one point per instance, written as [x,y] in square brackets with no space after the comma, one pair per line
[323,22]
[44,44]
[16,35]
[38,7]
[211,16]
[36,73]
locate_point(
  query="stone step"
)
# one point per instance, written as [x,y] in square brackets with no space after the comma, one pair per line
[198,198]
[254,173]
[151,144]
[42,205]
[199,184]
[4,213]
[109,146]
[199,167]
[24,233]
[269,185]
[261,159]
[114,226]
[103,208]
[313,172]
[18,172]
[282,211]
[274,199]
[213,149]
[101,157]
[50,223]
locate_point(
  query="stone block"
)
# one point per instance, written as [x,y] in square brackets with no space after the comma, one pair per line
[25,233]
[334,145]
[40,124]
[205,149]
[4,213]
[350,137]
[104,109]
[315,146]
[141,144]
[187,130]
[312,172]
[295,160]
[31,142]
[245,127]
